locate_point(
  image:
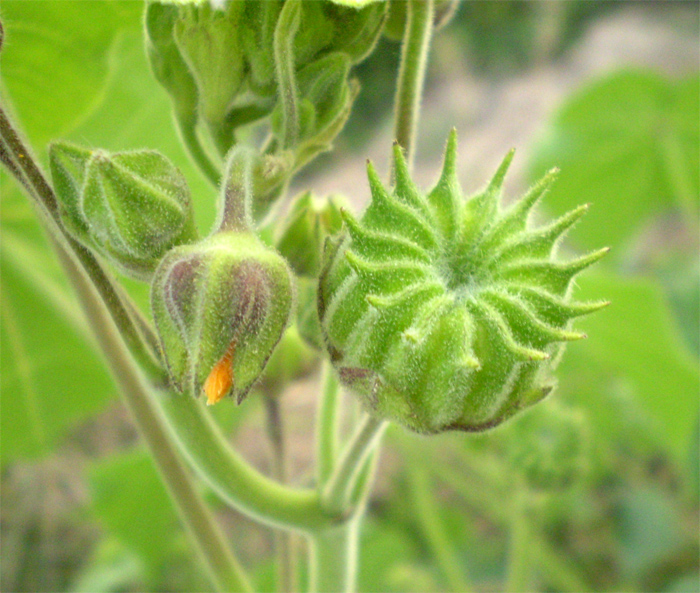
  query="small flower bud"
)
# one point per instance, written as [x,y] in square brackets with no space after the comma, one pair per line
[220,308]
[309,221]
[221,305]
[448,314]
[131,207]
[209,42]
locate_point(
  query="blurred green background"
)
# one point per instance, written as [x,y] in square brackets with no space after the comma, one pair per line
[606,91]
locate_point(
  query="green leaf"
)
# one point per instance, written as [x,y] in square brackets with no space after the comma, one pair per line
[132,503]
[628,143]
[56,79]
[51,375]
[634,348]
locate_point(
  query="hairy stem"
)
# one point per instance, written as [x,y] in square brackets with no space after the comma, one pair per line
[414,57]
[188,135]
[327,426]
[233,478]
[136,331]
[339,488]
[283,47]
[223,568]
[333,558]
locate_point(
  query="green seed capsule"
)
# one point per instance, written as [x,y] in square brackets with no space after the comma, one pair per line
[444,313]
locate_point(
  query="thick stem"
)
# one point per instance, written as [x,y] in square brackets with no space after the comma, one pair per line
[234,479]
[414,57]
[237,191]
[333,558]
[327,426]
[339,488]
[221,564]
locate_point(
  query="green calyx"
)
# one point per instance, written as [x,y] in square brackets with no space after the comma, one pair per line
[220,308]
[131,207]
[221,305]
[444,313]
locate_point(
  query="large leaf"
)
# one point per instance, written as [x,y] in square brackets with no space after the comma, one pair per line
[57,59]
[130,500]
[634,349]
[629,144]
[51,375]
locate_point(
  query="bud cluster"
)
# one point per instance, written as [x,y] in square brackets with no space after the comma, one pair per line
[444,313]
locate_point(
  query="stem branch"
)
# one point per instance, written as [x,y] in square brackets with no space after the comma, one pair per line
[327,425]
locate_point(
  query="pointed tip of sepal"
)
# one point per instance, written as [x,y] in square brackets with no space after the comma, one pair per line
[499,176]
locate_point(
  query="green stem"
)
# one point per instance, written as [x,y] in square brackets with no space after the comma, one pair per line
[234,479]
[283,48]
[339,488]
[327,425]
[188,135]
[333,558]
[518,576]
[414,57]
[223,568]
[284,542]
[137,333]
[430,523]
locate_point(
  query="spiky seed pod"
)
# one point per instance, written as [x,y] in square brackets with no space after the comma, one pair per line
[444,313]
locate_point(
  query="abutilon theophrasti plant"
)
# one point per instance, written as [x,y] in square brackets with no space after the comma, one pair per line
[449,313]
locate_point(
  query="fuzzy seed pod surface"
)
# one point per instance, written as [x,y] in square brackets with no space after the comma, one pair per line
[446,313]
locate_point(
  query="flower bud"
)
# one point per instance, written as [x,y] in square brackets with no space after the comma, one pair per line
[220,308]
[221,305]
[448,314]
[131,207]
[209,42]
[309,221]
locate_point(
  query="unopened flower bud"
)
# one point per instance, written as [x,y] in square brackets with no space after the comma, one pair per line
[309,221]
[131,207]
[222,305]
[448,314]
[220,308]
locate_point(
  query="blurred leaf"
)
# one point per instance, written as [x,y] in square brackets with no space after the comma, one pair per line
[51,375]
[131,501]
[628,143]
[644,511]
[633,347]
[111,568]
[51,95]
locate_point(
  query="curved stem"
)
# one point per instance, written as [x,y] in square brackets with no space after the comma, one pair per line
[414,57]
[283,47]
[333,559]
[233,478]
[136,332]
[327,425]
[188,135]
[223,568]
[336,494]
